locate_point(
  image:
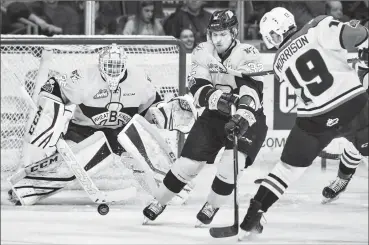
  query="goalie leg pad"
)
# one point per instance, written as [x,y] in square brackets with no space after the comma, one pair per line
[223,183]
[152,154]
[49,176]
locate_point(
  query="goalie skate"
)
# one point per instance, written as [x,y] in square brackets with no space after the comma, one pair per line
[152,211]
[206,214]
[333,191]
[251,223]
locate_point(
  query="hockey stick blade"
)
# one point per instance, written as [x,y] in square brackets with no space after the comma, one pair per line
[86,182]
[222,232]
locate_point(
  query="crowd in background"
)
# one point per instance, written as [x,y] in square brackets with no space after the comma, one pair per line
[186,20]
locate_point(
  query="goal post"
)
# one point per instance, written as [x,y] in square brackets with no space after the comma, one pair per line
[163,58]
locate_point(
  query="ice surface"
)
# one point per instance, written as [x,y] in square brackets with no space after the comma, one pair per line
[298,218]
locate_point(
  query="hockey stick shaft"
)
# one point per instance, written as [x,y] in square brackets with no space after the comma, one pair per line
[262,73]
[85,180]
[235,173]
[228,231]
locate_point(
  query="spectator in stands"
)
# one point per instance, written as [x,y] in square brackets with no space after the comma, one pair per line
[13,11]
[188,38]
[356,9]
[144,21]
[105,17]
[334,8]
[60,14]
[190,15]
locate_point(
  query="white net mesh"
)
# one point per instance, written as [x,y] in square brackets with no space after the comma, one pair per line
[20,65]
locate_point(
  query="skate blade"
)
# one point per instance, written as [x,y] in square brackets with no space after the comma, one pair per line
[145,221]
[329,200]
[244,235]
[199,224]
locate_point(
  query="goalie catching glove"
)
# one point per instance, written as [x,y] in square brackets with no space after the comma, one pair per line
[216,99]
[243,119]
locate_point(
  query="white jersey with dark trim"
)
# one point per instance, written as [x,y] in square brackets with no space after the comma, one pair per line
[99,107]
[205,66]
[314,62]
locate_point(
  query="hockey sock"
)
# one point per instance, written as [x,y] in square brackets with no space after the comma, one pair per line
[223,183]
[348,164]
[170,187]
[276,183]
[219,193]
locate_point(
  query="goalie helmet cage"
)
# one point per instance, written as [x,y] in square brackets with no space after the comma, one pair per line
[162,58]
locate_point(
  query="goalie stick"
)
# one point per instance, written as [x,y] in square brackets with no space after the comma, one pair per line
[227,231]
[82,176]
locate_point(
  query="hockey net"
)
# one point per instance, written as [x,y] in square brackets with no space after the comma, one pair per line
[161,58]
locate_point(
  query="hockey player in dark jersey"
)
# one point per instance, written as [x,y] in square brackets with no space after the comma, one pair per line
[217,92]
[332,101]
[350,157]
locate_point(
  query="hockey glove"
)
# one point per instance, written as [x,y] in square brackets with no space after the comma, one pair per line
[242,120]
[218,100]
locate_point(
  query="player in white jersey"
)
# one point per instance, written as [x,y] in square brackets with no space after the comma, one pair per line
[333,102]
[351,157]
[107,95]
[217,92]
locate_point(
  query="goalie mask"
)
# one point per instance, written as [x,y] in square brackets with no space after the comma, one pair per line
[113,65]
[222,29]
[276,25]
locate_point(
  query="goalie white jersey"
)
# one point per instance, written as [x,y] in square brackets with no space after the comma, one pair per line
[315,63]
[99,107]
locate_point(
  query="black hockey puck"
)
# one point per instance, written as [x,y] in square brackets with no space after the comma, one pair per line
[103,209]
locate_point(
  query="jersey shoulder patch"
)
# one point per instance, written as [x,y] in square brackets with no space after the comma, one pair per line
[203,47]
[80,83]
[247,48]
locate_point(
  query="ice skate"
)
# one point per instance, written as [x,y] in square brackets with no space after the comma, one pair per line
[333,191]
[206,214]
[152,211]
[12,197]
[251,223]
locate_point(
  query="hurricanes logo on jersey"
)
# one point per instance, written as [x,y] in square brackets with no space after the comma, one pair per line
[215,68]
[49,85]
[103,93]
[75,76]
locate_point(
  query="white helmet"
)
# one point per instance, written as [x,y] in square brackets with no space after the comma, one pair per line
[274,24]
[113,65]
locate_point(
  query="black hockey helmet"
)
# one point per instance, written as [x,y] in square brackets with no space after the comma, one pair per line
[222,20]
